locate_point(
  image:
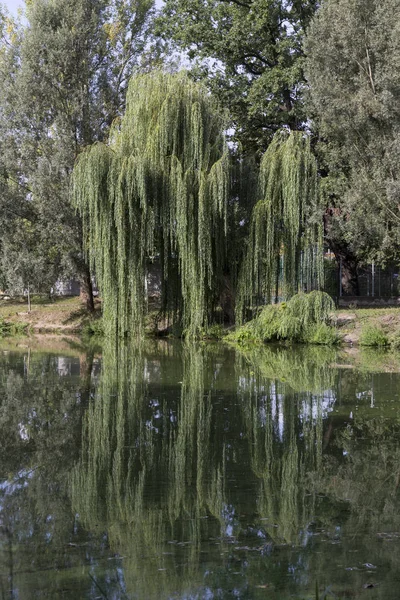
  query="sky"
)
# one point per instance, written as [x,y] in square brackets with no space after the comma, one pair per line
[12,5]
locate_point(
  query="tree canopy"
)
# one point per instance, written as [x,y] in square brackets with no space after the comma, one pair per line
[64,73]
[249,53]
[159,188]
[353,60]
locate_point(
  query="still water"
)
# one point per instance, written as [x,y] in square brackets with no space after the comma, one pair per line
[196,472]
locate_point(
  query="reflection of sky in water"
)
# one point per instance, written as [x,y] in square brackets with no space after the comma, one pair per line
[8,487]
[313,406]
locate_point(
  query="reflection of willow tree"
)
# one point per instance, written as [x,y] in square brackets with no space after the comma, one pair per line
[302,368]
[167,466]
[147,462]
[285,431]
[158,459]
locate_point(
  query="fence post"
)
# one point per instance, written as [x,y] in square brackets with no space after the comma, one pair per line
[379,281]
[373,279]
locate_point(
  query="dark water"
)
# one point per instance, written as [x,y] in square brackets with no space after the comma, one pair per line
[171,472]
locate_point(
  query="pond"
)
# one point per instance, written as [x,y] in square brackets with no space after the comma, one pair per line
[170,471]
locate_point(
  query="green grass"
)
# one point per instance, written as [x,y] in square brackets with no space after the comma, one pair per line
[323,335]
[373,336]
[395,341]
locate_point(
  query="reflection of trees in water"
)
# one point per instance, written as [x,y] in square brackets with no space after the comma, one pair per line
[144,460]
[40,433]
[285,431]
[161,464]
[237,466]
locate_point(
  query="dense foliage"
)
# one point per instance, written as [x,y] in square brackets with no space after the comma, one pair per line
[304,318]
[300,96]
[285,229]
[249,53]
[353,61]
[64,73]
[160,187]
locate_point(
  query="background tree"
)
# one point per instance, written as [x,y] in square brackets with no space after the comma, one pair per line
[250,54]
[353,69]
[64,77]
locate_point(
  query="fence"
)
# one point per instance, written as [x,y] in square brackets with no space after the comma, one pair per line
[374,282]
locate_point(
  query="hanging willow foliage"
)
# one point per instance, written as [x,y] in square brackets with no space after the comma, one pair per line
[158,189]
[285,242]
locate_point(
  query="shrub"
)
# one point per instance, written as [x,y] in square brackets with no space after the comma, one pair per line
[315,307]
[266,325]
[93,328]
[395,340]
[305,316]
[372,335]
[243,336]
[11,328]
[323,335]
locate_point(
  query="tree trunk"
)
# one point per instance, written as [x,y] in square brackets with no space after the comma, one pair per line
[86,294]
[349,282]
[345,258]
[227,300]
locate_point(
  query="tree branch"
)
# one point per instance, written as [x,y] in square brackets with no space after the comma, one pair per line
[244,4]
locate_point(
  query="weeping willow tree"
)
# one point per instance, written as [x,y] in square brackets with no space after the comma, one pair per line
[159,188]
[285,242]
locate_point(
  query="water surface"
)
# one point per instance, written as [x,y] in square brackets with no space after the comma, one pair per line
[166,471]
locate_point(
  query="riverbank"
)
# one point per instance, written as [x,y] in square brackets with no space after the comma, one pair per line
[68,316]
[64,316]
[364,327]
[352,324]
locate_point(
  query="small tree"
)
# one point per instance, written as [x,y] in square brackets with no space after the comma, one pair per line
[286,223]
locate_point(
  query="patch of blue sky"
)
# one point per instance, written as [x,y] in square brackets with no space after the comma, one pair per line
[12,5]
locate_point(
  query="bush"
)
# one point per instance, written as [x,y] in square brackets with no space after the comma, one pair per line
[243,336]
[11,328]
[395,340]
[93,328]
[372,335]
[323,335]
[304,317]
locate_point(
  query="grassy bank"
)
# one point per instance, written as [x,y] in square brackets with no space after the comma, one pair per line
[370,326]
[379,327]
[302,321]
[62,316]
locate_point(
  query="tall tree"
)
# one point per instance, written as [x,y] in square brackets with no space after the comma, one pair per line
[159,188]
[64,78]
[353,70]
[250,54]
